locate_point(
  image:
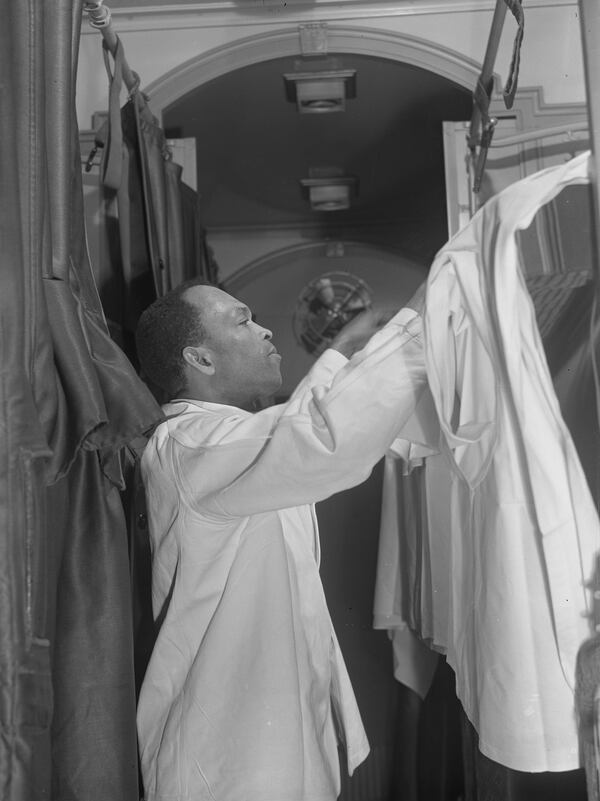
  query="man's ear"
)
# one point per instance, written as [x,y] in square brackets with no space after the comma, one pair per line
[199,358]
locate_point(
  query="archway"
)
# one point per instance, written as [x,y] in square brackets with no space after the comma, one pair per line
[286,42]
[270,284]
[350,522]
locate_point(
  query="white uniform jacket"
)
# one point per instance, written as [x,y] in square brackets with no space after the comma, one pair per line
[523,532]
[246,676]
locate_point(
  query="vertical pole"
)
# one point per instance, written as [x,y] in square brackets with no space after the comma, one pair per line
[589,13]
[590,35]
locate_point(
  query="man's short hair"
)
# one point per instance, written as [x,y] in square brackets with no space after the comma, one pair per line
[164,329]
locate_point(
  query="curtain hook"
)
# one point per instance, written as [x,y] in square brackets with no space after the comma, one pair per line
[99,14]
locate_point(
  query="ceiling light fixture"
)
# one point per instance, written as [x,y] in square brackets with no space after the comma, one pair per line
[320,92]
[330,194]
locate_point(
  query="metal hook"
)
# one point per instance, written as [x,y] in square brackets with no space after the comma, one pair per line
[90,159]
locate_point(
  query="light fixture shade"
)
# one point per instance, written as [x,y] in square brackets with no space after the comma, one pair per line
[330,198]
[330,194]
[320,92]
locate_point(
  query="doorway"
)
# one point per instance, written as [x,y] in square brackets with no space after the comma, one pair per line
[253,148]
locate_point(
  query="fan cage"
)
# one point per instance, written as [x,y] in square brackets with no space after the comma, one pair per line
[325,306]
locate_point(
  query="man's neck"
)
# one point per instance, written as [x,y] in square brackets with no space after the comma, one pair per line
[209,395]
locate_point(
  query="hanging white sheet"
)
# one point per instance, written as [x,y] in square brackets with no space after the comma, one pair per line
[515,529]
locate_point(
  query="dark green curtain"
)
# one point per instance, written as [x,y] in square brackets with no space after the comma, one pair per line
[158,240]
[70,402]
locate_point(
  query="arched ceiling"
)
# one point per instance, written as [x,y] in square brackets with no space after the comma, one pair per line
[254,147]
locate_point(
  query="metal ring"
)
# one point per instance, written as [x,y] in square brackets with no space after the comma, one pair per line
[99,14]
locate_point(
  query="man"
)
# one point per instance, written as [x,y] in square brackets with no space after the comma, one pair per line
[246,692]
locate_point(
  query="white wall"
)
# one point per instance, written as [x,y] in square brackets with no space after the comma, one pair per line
[161,40]
[235,249]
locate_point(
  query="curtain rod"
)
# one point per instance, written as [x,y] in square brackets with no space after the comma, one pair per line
[540,133]
[100,18]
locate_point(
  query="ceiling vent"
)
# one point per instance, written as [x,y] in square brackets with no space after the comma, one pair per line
[320,92]
[333,192]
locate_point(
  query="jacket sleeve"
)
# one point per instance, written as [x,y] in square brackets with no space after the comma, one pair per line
[325,439]
[321,373]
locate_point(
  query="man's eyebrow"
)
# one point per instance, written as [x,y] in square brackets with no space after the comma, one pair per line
[243,310]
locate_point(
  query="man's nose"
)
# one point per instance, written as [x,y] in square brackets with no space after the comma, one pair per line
[264,332]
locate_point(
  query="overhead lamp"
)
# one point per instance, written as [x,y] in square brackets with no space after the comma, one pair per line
[320,92]
[330,193]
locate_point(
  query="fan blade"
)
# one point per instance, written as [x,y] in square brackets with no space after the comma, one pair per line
[325,291]
[355,304]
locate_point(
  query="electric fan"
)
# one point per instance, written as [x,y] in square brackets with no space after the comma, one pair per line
[325,305]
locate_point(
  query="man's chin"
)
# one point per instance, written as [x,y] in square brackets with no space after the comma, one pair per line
[277,384]
[274,386]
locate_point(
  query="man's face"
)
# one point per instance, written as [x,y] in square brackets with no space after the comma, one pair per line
[247,365]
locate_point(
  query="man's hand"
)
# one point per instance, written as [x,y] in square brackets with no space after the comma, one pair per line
[355,334]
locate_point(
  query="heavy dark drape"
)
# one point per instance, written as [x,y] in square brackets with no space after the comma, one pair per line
[70,401]
[156,238]
[150,222]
